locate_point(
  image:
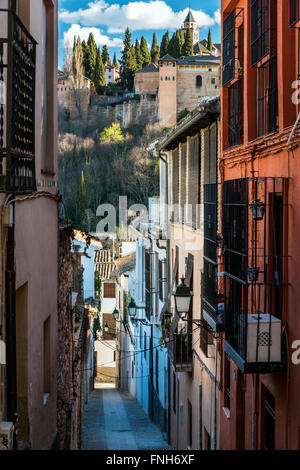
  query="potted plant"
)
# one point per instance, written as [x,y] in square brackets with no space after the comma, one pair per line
[253,274]
[258,209]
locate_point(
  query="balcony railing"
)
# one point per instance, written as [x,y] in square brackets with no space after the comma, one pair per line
[255,266]
[182,351]
[294,12]
[17,106]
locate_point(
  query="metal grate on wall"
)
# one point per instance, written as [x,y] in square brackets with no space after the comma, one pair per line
[260,30]
[267,97]
[17,105]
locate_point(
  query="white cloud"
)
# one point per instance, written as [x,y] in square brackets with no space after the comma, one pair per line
[137,15]
[84,32]
[217,16]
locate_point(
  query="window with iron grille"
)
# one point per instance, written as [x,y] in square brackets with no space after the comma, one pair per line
[294,12]
[210,250]
[109,290]
[267,97]
[254,257]
[260,30]
[148,284]
[235,113]
[17,110]
[229,48]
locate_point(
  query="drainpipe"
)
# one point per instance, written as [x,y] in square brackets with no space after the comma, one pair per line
[215,405]
[10,321]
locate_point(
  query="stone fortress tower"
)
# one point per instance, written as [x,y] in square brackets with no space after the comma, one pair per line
[190,23]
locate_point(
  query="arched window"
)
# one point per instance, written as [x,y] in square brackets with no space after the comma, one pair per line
[198,81]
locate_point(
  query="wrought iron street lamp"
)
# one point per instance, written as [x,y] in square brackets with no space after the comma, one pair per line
[132,308]
[182,297]
[116,314]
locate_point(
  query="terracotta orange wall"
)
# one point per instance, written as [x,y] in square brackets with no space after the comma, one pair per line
[271,158]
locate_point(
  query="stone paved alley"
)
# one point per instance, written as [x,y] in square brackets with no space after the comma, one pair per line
[114,420]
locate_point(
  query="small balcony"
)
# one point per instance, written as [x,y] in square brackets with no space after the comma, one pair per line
[182,351]
[255,215]
[17,105]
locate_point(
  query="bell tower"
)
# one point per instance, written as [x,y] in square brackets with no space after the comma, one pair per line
[190,23]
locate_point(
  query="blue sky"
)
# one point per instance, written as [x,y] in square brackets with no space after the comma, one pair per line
[108,20]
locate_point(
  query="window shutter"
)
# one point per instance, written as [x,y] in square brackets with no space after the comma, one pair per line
[260,31]
[183,164]
[228,48]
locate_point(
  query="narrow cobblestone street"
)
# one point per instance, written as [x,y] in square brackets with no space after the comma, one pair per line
[114,420]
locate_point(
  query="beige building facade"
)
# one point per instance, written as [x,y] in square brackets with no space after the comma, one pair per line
[192,154]
[29,222]
[179,84]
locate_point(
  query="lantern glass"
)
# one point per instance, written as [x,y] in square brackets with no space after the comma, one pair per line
[106,327]
[116,314]
[183,303]
[132,308]
[182,297]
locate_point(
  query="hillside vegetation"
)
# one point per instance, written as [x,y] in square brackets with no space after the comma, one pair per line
[99,166]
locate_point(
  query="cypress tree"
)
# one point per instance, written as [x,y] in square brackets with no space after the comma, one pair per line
[138,55]
[99,74]
[175,45]
[105,56]
[85,57]
[91,56]
[164,44]
[115,62]
[187,49]
[154,50]
[128,62]
[209,41]
[82,198]
[145,52]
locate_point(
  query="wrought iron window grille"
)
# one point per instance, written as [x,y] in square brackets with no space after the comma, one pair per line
[232,64]
[255,263]
[17,109]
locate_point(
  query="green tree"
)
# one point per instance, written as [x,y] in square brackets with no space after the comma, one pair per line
[91,55]
[105,56]
[154,50]
[77,55]
[128,62]
[138,55]
[175,45]
[164,44]
[187,49]
[99,74]
[115,62]
[82,203]
[209,41]
[145,52]
[85,57]
[112,134]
